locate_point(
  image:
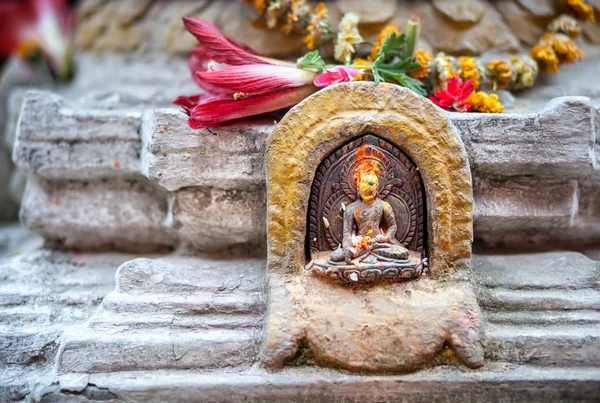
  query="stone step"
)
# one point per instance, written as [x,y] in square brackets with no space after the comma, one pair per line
[108,321]
[24,315]
[185,275]
[28,346]
[570,345]
[496,382]
[88,350]
[550,299]
[557,270]
[197,304]
[543,317]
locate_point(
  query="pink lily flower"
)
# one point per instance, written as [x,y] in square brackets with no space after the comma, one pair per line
[338,74]
[37,25]
[239,83]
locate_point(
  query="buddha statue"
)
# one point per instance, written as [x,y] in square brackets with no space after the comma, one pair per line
[369,231]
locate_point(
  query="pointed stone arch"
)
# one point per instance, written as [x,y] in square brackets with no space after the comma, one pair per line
[322,123]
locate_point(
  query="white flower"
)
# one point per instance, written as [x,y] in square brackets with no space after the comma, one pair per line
[347,37]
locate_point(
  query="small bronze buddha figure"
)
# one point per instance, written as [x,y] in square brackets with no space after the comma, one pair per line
[369,250]
[369,226]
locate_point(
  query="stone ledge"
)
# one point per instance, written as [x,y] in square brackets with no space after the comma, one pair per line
[498,382]
[56,140]
[557,142]
[126,215]
[175,156]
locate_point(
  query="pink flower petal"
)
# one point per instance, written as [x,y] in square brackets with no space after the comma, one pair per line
[256,79]
[214,112]
[338,74]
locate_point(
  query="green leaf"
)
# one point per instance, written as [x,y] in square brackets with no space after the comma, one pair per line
[393,51]
[393,45]
[311,60]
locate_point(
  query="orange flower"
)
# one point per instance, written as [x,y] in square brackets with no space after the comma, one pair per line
[482,102]
[578,9]
[422,57]
[546,58]
[470,69]
[565,48]
[385,32]
[501,74]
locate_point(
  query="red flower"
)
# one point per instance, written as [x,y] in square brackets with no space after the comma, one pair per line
[37,25]
[238,82]
[454,96]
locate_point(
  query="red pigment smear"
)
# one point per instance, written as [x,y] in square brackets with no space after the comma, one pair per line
[117,165]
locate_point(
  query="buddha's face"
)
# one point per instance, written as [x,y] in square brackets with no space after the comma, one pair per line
[367,185]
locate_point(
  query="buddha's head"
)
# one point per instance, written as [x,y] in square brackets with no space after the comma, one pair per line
[368,184]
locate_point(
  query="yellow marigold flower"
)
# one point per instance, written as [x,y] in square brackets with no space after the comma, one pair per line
[442,71]
[470,69]
[260,6]
[566,25]
[501,74]
[527,70]
[422,57]
[385,32]
[364,65]
[564,48]
[298,17]
[484,103]
[319,28]
[578,9]
[546,58]
[347,37]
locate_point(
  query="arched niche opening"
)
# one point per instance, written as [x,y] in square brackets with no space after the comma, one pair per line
[335,191]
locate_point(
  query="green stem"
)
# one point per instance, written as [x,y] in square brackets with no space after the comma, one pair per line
[412,36]
[350,66]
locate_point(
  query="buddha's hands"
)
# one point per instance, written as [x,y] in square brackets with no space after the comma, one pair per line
[382,239]
[348,255]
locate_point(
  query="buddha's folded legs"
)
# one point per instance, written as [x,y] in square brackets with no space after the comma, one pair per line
[392,252]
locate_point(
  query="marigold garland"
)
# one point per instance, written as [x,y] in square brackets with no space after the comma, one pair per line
[556,47]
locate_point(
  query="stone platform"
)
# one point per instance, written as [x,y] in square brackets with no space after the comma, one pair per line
[181,327]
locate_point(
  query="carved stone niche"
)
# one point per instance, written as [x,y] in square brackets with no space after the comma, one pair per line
[397,154]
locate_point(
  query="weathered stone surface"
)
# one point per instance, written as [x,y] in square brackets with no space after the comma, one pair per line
[565,270]
[528,27]
[444,35]
[57,141]
[523,204]
[368,13]
[544,8]
[176,313]
[42,294]
[123,214]
[498,382]
[556,141]
[453,26]
[468,12]
[392,327]
[542,309]
[175,156]
[210,219]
